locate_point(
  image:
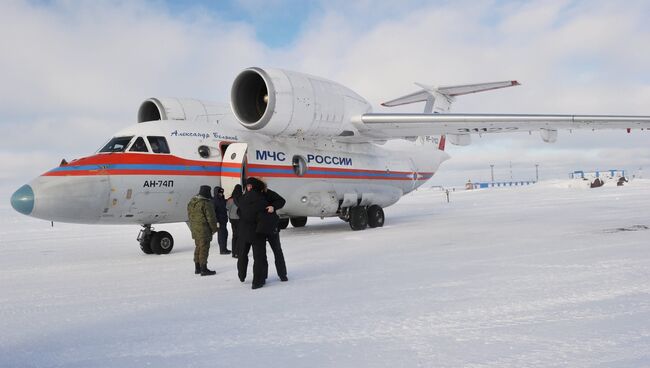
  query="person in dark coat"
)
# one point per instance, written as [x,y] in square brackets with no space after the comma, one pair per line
[219,203]
[232,208]
[251,204]
[275,202]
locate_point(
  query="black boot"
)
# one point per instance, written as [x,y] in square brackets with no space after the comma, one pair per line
[225,252]
[197,268]
[206,272]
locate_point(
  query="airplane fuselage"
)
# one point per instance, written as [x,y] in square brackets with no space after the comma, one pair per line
[317,177]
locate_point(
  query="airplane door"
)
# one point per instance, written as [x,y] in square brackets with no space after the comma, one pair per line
[233,167]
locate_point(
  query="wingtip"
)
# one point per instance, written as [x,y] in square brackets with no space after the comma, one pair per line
[515,83]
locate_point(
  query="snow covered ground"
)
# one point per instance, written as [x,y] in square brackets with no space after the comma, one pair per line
[540,276]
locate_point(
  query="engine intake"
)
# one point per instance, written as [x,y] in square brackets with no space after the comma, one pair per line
[252,95]
[171,108]
[279,102]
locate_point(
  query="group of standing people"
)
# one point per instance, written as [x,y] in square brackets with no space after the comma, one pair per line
[254,221]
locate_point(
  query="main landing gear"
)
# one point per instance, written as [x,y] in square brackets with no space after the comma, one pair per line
[284,223]
[155,242]
[298,221]
[295,222]
[361,217]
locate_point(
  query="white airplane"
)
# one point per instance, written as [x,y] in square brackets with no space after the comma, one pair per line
[314,141]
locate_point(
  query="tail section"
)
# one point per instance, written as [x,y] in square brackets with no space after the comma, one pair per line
[432,140]
[440,99]
[441,144]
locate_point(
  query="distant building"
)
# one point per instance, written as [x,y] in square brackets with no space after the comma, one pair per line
[599,178]
[498,184]
[601,174]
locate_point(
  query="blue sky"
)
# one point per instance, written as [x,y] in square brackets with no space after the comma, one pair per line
[276,23]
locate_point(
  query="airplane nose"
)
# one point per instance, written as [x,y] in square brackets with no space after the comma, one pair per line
[23,200]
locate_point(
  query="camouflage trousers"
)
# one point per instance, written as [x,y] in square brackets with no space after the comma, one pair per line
[201,251]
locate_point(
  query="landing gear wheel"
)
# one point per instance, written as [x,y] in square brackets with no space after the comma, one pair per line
[146,248]
[358,218]
[298,221]
[375,216]
[162,242]
[284,223]
[144,238]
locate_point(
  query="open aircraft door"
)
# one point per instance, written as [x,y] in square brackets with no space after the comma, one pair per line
[233,167]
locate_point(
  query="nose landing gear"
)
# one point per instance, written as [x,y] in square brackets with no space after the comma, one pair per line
[158,242]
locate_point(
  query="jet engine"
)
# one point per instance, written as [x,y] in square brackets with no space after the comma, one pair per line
[279,102]
[171,108]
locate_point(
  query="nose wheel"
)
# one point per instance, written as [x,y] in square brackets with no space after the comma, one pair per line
[155,242]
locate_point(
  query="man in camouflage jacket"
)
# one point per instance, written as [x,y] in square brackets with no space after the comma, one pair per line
[203,224]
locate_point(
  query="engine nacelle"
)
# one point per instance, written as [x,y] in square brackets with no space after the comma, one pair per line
[181,109]
[280,102]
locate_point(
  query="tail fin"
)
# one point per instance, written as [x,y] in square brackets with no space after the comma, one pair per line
[432,140]
[441,98]
[441,145]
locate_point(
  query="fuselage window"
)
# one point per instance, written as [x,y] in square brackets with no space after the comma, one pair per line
[299,165]
[204,151]
[139,146]
[117,144]
[158,144]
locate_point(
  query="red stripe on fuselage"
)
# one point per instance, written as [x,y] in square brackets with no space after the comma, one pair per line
[107,159]
[138,158]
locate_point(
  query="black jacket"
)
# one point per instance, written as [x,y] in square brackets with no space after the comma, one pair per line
[220,209]
[274,199]
[268,223]
[251,204]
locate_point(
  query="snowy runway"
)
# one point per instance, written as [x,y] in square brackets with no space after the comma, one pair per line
[538,276]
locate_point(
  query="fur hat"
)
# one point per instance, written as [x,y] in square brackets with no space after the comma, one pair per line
[237,191]
[204,192]
[257,184]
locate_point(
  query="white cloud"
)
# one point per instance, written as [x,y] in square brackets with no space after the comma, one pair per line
[100,57]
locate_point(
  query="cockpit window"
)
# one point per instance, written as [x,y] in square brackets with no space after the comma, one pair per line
[158,144]
[139,146]
[117,144]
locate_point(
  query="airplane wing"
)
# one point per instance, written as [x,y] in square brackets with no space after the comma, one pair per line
[400,125]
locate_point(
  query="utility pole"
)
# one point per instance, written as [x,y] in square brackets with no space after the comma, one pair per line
[536,173]
[492,172]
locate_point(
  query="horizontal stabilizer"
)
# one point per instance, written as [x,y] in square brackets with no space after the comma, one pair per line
[447,91]
[474,88]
